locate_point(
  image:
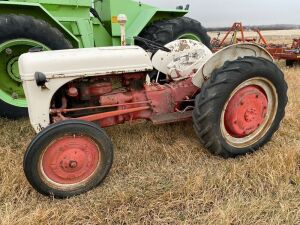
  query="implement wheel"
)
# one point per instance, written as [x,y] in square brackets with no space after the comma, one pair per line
[240,107]
[290,63]
[19,33]
[68,158]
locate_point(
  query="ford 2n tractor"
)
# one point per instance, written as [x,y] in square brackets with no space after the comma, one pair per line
[64,24]
[236,98]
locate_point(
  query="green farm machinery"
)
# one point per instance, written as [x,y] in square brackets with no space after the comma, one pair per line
[64,24]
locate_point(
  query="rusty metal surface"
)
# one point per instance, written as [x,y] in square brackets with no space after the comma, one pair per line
[156,102]
[171,117]
[237,34]
[65,110]
[292,53]
[101,116]
[278,51]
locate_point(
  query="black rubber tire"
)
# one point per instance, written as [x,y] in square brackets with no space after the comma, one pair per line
[22,26]
[165,31]
[290,63]
[217,90]
[46,136]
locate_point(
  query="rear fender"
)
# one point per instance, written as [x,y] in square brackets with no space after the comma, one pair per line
[38,11]
[229,53]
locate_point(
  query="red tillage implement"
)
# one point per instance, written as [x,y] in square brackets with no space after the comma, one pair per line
[279,51]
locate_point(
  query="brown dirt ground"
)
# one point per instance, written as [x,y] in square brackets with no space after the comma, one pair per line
[162,175]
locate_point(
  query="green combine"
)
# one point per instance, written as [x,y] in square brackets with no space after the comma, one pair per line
[63,24]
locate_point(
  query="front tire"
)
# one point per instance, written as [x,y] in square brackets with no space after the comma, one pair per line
[68,158]
[240,107]
[18,34]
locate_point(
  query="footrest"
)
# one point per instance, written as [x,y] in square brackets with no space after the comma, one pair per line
[171,117]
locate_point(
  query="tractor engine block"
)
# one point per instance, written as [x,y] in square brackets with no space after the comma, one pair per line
[116,99]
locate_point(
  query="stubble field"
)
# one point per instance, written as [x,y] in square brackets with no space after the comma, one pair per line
[162,175]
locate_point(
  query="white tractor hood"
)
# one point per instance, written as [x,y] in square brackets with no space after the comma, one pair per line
[84,62]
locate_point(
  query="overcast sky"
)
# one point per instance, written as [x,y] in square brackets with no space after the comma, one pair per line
[214,13]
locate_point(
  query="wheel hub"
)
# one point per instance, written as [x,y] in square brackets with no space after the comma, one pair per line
[13,69]
[250,115]
[246,111]
[11,90]
[71,160]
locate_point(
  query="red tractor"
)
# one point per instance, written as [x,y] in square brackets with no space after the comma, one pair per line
[236,98]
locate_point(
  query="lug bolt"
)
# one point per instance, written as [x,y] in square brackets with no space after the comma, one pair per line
[8,51]
[14,95]
[73,164]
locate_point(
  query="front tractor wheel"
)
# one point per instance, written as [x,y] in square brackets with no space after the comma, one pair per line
[240,107]
[20,33]
[68,158]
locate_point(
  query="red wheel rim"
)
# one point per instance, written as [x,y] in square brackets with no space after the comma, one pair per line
[246,111]
[249,112]
[70,160]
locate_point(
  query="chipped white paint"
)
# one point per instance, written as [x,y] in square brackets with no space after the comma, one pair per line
[63,66]
[84,62]
[186,56]
[229,53]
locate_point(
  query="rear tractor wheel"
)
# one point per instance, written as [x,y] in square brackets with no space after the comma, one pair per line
[68,158]
[19,33]
[166,31]
[240,107]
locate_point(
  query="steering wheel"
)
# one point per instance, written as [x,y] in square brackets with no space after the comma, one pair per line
[152,45]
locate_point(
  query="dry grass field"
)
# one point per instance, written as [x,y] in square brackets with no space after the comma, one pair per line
[162,175]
